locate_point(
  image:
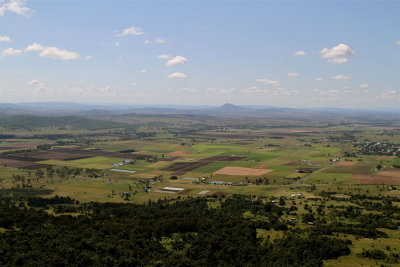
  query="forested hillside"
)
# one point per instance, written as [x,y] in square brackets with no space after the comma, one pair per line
[194,232]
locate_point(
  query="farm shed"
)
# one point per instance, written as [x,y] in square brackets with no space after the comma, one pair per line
[173,189]
[217,182]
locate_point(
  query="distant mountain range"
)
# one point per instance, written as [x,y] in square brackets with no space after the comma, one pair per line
[226,110]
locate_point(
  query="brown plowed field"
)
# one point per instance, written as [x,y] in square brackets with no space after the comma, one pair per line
[26,160]
[182,167]
[242,171]
[21,164]
[35,166]
[390,173]
[384,177]
[186,166]
[350,169]
[293,163]
[38,156]
[68,154]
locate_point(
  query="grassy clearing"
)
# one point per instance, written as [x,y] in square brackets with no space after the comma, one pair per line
[6,172]
[366,243]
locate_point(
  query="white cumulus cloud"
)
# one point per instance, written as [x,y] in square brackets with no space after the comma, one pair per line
[364,85]
[340,50]
[176,75]
[4,38]
[341,77]
[14,6]
[34,47]
[55,53]
[178,60]
[11,52]
[267,82]
[337,54]
[299,53]
[318,79]
[131,31]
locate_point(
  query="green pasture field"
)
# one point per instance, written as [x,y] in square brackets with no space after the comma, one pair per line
[356,169]
[95,162]
[140,166]
[282,168]
[329,178]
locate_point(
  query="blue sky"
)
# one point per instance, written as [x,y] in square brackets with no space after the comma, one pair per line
[293,54]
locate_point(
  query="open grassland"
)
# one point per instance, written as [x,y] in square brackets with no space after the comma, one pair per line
[384,244]
[6,172]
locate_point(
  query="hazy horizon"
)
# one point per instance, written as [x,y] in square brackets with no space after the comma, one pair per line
[158,108]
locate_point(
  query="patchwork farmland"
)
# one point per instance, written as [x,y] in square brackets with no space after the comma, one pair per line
[303,171]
